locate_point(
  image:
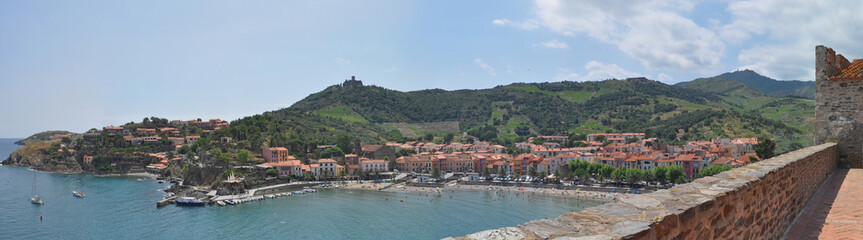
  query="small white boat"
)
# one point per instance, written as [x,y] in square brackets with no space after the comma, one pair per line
[221,203]
[36,200]
[78,194]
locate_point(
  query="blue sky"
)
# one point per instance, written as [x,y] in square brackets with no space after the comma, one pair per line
[77,65]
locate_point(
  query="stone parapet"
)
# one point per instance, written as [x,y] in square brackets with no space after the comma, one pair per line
[757,201]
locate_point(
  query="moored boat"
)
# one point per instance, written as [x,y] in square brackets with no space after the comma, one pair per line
[36,199]
[78,194]
[190,201]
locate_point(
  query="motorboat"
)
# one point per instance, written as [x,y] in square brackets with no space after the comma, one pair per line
[190,201]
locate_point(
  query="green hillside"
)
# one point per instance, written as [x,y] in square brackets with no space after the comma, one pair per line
[723,86]
[508,114]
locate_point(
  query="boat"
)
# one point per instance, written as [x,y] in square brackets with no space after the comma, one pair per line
[221,203]
[78,194]
[190,201]
[36,199]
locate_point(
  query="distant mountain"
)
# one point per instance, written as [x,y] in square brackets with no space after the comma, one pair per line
[771,86]
[723,86]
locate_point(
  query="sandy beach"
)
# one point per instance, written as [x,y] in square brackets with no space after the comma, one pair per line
[576,194]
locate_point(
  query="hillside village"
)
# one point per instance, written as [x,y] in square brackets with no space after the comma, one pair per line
[158,145]
[542,156]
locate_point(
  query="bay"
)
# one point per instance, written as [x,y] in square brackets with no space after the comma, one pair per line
[124,208]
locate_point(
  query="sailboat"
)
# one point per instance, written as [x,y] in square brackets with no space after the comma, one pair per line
[35,199]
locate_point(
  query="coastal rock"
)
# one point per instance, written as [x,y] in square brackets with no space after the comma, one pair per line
[41,156]
[500,234]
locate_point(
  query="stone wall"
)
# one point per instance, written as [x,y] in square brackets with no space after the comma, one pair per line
[839,107]
[757,201]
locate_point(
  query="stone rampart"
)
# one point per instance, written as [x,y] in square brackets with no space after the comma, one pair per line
[839,104]
[757,201]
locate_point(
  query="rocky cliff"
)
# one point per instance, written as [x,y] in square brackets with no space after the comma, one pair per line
[43,156]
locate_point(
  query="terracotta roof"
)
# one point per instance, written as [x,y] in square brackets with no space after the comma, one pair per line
[853,71]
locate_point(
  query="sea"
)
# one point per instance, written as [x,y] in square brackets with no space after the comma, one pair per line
[125,208]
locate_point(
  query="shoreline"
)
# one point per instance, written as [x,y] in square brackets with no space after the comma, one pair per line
[143,174]
[545,192]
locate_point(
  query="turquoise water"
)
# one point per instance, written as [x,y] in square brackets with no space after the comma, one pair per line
[124,208]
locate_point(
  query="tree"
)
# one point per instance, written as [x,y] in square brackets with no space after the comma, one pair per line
[390,162]
[581,173]
[429,137]
[532,172]
[272,172]
[309,177]
[243,156]
[713,170]
[633,175]
[190,156]
[332,152]
[543,175]
[501,171]
[632,140]
[485,172]
[376,174]
[345,143]
[660,173]
[765,149]
[435,173]
[605,172]
[676,175]
[448,138]
[618,174]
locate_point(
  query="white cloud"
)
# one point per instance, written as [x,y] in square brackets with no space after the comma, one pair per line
[524,25]
[391,69]
[651,31]
[596,71]
[342,61]
[789,30]
[481,64]
[555,44]
[662,77]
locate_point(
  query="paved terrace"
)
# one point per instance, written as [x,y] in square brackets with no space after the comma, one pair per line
[763,200]
[836,211]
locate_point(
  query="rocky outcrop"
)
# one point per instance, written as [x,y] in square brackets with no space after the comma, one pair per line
[43,157]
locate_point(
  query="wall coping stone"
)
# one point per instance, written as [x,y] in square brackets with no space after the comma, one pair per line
[659,213]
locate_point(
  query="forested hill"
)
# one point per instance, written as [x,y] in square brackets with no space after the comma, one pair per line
[507,114]
[765,85]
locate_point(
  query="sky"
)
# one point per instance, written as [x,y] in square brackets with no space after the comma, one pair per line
[76,65]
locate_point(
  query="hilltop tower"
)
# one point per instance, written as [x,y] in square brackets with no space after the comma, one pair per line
[352,82]
[839,104]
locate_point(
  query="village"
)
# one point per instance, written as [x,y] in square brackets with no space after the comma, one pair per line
[626,160]
[627,150]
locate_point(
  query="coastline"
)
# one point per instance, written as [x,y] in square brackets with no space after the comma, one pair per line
[545,192]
